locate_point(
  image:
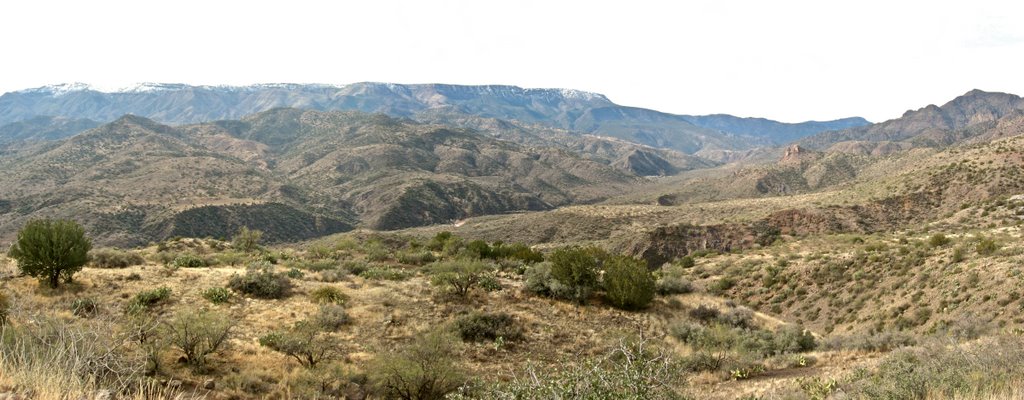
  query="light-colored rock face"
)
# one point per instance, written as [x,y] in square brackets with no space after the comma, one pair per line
[793,154]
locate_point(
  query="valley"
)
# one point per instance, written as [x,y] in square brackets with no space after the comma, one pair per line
[441,241]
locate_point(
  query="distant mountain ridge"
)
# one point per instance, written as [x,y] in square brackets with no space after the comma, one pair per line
[568,109]
[962,118]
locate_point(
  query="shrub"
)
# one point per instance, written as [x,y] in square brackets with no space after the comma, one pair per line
[478,249]
[704,313]
[685,262]
[261,282]
[794,339]
[628,283]
[188,261]
[737,318]
[247,240]
[490,283]
[51,250]
[938,240]
[147,299]
[328,295]
[316,266]
[197,334]
[721,285]
[416,258]
[355,267]
[114,258]
[987,246]
[217,295]
[294,273]
[333,275]
[445,241]
[633,370]
[386,273]
[514,251]
[5,306]
[479,327]
[84,307]
[459,276]
[577,268]
[304,342]
[538,280]
[230,258]
[673,280]
[425,369]
[331,317]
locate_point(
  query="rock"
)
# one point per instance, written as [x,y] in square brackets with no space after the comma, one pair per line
[103,394]
[174,383]
[209,384]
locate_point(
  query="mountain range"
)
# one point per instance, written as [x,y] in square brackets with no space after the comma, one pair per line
[301,161]
[572,110]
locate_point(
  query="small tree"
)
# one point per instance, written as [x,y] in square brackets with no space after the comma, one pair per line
[459,276]
[247,239]
[305,342]
[198,333]
[51,250]
[426,369]
[577,268]
[627,283]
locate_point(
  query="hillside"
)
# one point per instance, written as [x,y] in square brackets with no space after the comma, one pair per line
[962,118]
[572,110]
[134,180]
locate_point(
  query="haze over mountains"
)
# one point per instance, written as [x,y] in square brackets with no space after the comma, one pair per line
[301,161]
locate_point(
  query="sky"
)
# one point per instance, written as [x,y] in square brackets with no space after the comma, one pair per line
[785,60]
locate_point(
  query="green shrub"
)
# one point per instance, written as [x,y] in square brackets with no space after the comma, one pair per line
[938,240]
[197,334]
[51,250]
[217,295]
[331,317]
[685,262]
[304,342]
[538,281]
[294,273]
[987,246]
[188,261]
[480,327]
[5,306]
[577,268]
[230,258]
[261,282]
[445,242]
[355,267]
[148,299]
[247,240]
[704,313]
[490,283]
[386,273]
[459,276]
[416,258]
[328,295]
[628,283]
[85,307]
[425,369]
[114,258]
[515,251]
[315,266]
[721,285]
[478,249]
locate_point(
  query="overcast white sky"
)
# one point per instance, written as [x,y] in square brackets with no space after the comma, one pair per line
[786,60]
